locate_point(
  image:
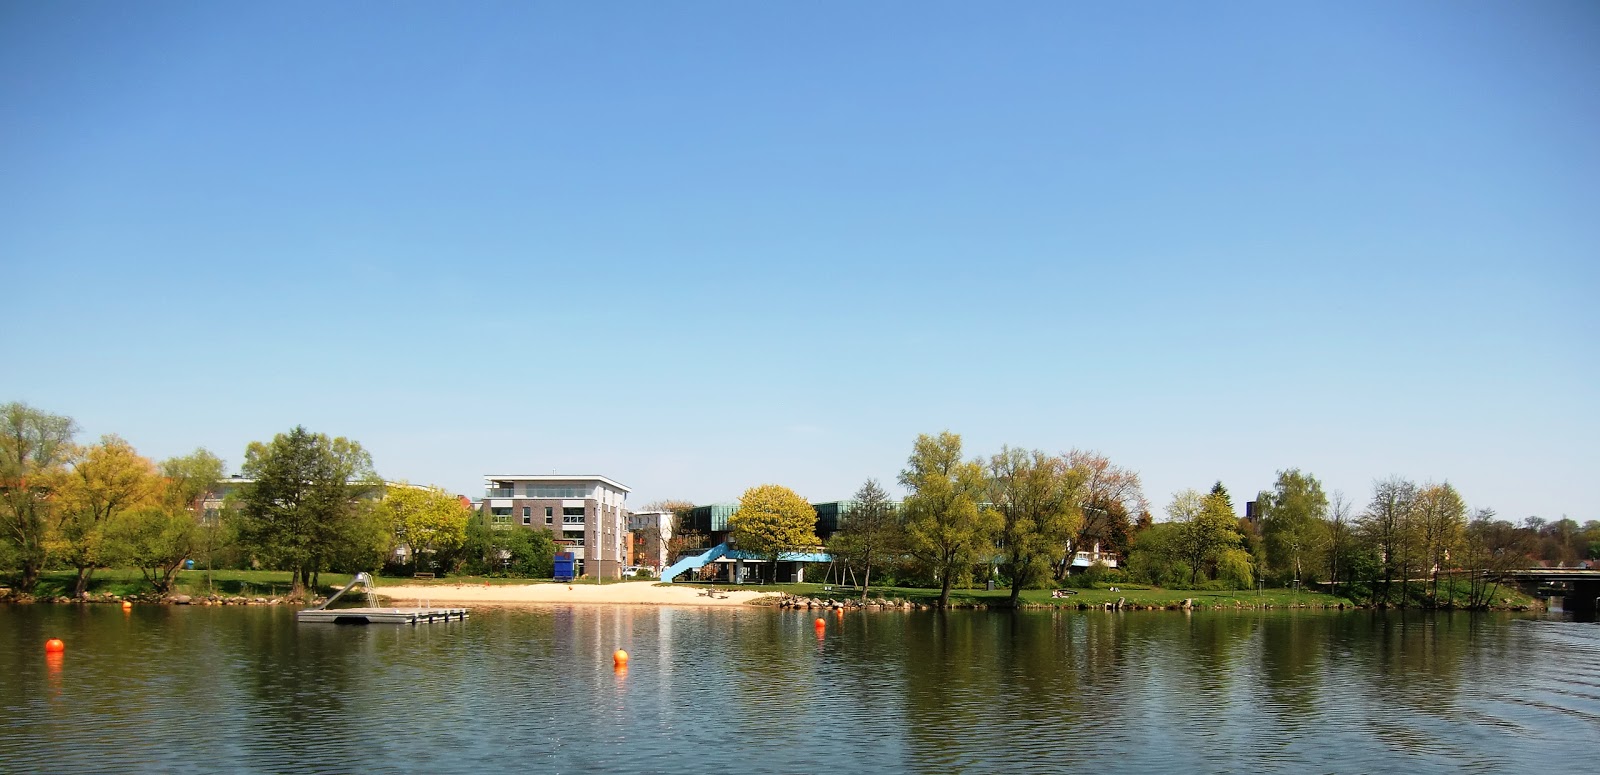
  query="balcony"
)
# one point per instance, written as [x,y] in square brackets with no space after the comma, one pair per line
[505,493]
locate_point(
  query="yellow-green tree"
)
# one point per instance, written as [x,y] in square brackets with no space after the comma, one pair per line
[35,447]
[158,537]
[108,479]
[425,521]
[1441,521]
[1208,530]
[1038,498]
[945,529]
[773,520]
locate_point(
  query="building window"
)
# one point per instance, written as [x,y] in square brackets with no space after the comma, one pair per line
[527,511]
[526,520]
[500,515]
[572,511]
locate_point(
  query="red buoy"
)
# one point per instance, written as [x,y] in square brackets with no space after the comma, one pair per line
[54,646]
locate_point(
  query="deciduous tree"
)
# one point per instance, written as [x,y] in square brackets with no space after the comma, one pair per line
[158,537]
[1112,498]
[35,447]
[1038,499]
[307,497]
[870,533]
[1387,526]
[772,520]
[945,528]
[1208,529]
[1441,518]
[1292,524]
[107,479]
[425,521]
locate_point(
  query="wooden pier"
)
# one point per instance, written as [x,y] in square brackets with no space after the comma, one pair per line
[381,615]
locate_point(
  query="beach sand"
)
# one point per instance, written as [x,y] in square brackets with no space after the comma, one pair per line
[621,592]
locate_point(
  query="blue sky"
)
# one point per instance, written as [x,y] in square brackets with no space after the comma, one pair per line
[701,246]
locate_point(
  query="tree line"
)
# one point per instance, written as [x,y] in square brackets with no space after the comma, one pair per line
[308,503]
[1020,516]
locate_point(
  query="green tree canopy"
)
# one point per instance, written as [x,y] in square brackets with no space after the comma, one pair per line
[307,506]
[1292,524]
[425,521]
[35,447]
[945,529]
[1037,497]
[157,538]
[108,479]
[772,520]
[1209,531]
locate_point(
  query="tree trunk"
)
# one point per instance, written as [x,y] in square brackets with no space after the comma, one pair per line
[944,592]
[83,581]
[866,583]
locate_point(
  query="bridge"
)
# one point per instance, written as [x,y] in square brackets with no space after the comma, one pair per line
[1582,586]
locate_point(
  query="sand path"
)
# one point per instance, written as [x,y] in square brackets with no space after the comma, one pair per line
[622,592]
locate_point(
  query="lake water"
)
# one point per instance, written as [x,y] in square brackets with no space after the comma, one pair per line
[190,689]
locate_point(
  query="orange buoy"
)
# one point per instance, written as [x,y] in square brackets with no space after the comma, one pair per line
[54,646]
[127,606]
[821,623]
[619,658]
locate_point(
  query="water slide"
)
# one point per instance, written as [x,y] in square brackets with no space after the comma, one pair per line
[693,562]
[360,578]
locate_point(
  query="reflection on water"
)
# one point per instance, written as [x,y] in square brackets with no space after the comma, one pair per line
[185,689]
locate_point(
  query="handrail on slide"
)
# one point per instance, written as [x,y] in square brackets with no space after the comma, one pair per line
[360,578]
[693,561]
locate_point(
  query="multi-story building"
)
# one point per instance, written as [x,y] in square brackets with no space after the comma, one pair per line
[652,530]
[586,515]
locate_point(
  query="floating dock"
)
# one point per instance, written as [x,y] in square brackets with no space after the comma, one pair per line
[381,615]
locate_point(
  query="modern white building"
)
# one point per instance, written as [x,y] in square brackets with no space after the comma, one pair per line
[587,515]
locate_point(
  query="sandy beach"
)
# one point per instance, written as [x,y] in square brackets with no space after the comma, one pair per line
[622,592]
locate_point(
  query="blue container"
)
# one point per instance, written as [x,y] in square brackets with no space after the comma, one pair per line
[564,565]
[188,564]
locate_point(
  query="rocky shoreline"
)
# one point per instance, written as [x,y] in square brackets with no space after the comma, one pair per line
[150,599]
[1187,604]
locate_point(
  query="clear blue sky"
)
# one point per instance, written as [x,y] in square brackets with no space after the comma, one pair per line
[701,246]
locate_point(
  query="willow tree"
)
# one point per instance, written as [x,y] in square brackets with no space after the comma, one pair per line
[1037,498]
[945,528]
[1207,532]
[773,520]
[35,447]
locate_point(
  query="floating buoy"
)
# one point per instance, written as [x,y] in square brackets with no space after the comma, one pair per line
[54,646]
[127,606]
[821,623]
[619,658]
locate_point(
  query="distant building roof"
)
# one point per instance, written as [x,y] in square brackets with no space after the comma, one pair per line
[557,478]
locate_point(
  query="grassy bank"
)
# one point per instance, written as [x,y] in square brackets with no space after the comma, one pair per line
[127,582]
[1137,595]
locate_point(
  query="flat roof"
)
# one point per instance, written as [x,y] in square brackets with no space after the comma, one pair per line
[556,478]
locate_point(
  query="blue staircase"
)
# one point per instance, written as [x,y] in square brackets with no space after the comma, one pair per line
[693,562]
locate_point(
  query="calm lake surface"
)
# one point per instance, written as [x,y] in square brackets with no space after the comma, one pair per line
[190,689]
